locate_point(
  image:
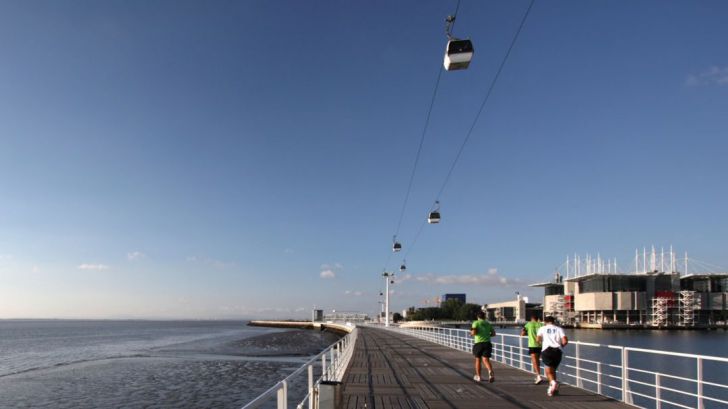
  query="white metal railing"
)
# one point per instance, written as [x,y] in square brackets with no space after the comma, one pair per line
[624,373]
[331,363]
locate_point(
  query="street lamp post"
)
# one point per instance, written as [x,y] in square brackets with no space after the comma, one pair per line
[387,276]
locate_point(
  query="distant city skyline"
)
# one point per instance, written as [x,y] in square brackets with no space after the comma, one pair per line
[179,159]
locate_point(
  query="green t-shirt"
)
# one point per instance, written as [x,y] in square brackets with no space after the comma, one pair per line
[531,329]
[483,331]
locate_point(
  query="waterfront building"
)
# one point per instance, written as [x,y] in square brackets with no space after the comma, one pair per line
[518,310]
[346,316]
[446,297]
[650,297]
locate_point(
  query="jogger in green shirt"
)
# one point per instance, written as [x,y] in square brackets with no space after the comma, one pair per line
[482,330]
[534,347]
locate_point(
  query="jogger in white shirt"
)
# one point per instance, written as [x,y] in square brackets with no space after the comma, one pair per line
[552,339]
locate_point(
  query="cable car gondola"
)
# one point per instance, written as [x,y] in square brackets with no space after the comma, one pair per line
[434,216]
[403,267]
[458,53]
[396,246]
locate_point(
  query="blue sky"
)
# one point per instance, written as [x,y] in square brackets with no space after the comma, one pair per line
[176,159]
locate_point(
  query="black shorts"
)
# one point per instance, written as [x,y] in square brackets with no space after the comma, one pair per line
[482,349]
[534,350]
[551,357]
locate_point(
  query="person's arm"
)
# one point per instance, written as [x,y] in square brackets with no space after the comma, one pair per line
[523,332]
[492,331]
[564,341]
[473,330]
[539,338]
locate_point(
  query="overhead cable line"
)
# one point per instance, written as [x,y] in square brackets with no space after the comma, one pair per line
[450,26]
[485,100]
[475,120]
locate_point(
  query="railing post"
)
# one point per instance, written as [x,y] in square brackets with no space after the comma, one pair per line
[626,397]
[310,387]
[332,364]
[599,378]
[579,383]
[699,378]
[323,367]
[658,397]
[283,395]
[503,348]
[521,355]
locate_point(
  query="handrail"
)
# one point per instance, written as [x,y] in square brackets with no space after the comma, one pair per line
[605,378]
[340,353]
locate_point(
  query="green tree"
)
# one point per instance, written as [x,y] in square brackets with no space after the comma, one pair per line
[430,313]
[450,308]
[467,312]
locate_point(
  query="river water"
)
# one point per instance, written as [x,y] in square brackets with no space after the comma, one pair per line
[142,364]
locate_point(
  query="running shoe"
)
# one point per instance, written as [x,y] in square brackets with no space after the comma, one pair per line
[556,388]
[476,378]
[491,377]
[538,380]
[552,388]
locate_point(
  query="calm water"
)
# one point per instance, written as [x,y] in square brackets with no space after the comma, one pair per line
[90,364]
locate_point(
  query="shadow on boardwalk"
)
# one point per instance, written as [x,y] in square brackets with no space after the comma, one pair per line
[392,370]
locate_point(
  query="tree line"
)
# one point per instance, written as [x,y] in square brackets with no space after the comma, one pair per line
[449,310]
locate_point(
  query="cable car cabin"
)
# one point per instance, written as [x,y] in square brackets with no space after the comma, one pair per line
[396,247]
[402,267]
[434,218]
[458,54]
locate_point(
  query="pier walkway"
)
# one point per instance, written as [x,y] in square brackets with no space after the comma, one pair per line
[393,370]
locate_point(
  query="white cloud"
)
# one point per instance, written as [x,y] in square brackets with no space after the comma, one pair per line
[95,267]
[135,255]
[6,257]
[354,293]
[491,278]
[714,75]
[211,262]
[329,271]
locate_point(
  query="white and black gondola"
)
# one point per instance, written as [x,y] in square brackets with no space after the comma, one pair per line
[458,52]
[396,246]
[434,216]
[403,267]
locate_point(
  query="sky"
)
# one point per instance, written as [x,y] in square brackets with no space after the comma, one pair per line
[238,159]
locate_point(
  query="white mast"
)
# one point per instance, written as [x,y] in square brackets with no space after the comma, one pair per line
[662,259]
[644,260]
[686,263]
[636,261]
[567,266]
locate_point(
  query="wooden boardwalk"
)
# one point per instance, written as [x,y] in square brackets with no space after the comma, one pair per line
[392,370]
